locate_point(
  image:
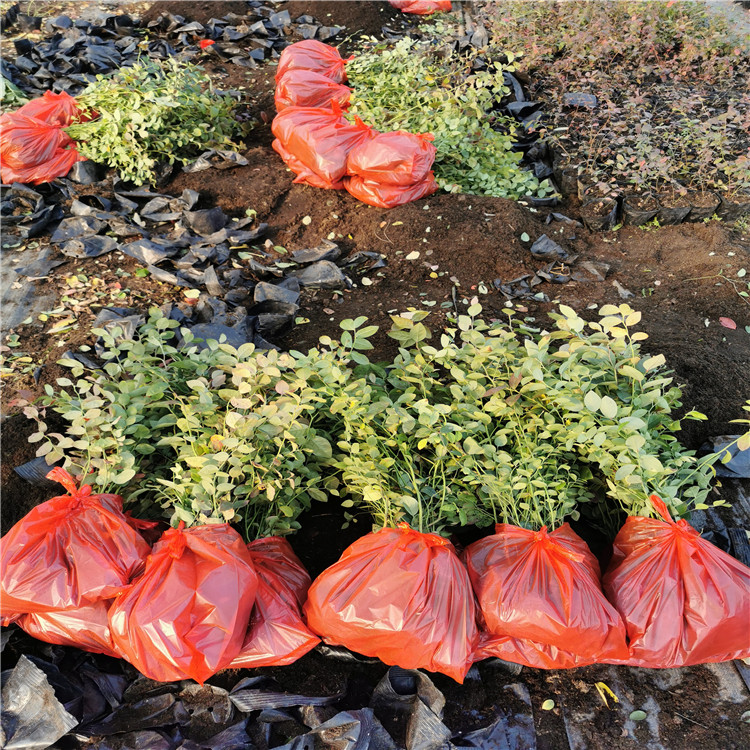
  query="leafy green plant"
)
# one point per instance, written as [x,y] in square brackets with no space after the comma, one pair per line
[11,96]
[496,421]
[211,433]
[505,422]
[409,86]
[150,113]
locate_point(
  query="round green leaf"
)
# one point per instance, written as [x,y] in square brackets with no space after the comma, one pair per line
[638,715]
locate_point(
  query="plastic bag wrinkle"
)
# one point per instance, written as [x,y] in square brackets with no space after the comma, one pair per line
[277,634]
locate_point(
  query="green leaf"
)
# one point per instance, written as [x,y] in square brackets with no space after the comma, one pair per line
[607,407]
[548,705]
[638,715]
[651,464]
[592,401]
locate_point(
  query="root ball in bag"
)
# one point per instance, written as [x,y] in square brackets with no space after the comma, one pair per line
[186,616]
[277,634]
[545,589]
[401,596]
[68,552]
[683,600]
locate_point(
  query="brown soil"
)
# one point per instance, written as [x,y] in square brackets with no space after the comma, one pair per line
[360,18]
[194,10]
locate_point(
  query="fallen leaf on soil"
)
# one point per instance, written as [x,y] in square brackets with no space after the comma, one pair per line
[728,323]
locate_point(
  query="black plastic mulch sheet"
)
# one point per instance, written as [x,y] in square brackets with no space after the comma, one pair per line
[72,52]
[76,700]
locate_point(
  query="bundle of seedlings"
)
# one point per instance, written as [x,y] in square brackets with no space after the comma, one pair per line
[152,114]
[415,86]
[399,593]
[62,565]
[204,434]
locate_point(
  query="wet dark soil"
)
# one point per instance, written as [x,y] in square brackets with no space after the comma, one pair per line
[194,10]
[682,278]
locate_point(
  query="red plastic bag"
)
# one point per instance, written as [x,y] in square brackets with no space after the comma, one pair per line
[306,88]
[312,55]
[320,140]
[683,600]
[397,158]
[60,109]
[527,652]
[28,141]
[86,627]
[58,165]
[401,596]
[68,552]
[545,588]
[388,196]
[422,7]
[186,615]
[277,634]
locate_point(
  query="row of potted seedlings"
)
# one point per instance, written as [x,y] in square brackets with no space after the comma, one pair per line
[324,149]
[604,206]
[78,571]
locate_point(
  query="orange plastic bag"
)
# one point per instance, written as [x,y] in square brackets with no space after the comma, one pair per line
[312,55]
[401,596]
[277,634]
[86,627]
[683,600]
[388,196]
[28,141]
[527,652]
[58,165]
[397,158]
[422,7]
[319,139]
[56,109]
[304,175]
[306,88]
[545,588]
[68,552]
[186,615]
